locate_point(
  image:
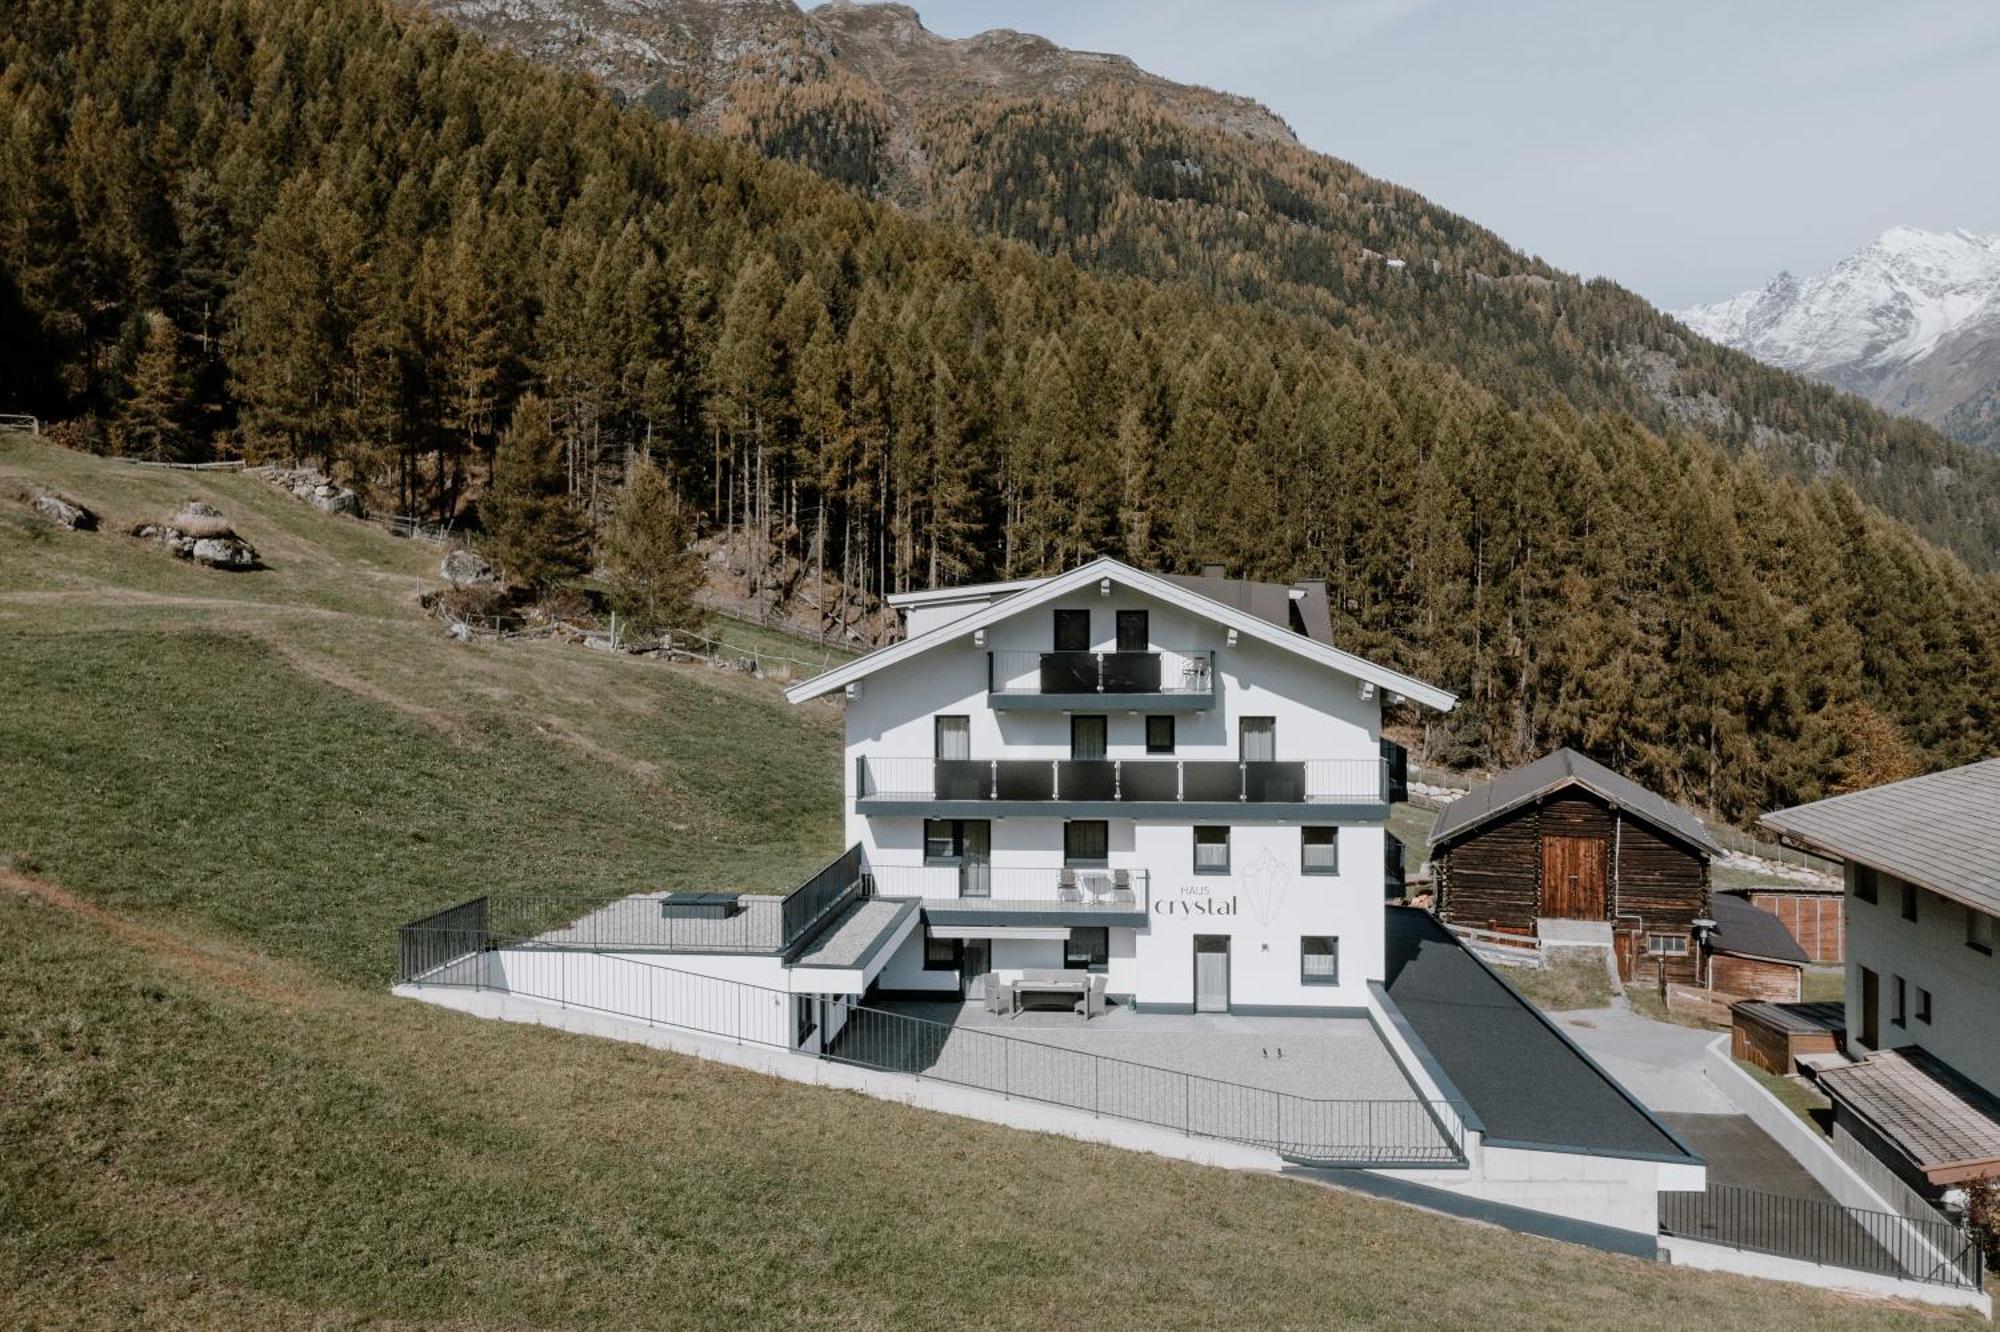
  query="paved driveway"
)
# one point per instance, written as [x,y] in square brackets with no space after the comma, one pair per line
[1658,1062]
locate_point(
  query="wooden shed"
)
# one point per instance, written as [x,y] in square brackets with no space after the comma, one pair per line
[1815,914]
[1566,838]
[1751,954]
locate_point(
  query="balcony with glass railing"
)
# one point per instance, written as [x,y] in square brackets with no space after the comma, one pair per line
[982,888]
[1162,679]
[1151,787]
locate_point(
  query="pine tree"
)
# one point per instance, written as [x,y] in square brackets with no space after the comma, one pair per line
[540,534]
[151,423]
[650,566]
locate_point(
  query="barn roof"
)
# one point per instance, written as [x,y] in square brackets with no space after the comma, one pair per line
[1940,831]
[1551,773]
[1743,930]
[1527,1082]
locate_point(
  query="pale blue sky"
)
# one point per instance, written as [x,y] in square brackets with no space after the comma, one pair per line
[1687,148]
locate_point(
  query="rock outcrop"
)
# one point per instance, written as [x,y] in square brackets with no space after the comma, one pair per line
[315,488]
[461,568]
[200,533]
[58,508]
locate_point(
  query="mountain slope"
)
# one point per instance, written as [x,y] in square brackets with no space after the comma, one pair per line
[402,235]
[1911,322]
[1088,157]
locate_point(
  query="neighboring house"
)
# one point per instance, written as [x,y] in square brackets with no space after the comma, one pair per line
[1751,955]
[1814,914]
[1922,871]
[1176,781]
[1566,838]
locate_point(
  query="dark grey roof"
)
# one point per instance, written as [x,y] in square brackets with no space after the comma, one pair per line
[1742,930]
[1796,1019]
[1525,1079]
[1940,831]
[1268,601]
[1551,772]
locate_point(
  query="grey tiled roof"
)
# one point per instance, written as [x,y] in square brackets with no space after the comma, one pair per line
[1917,1101]
[1566,767]
[1748,931]
[1521,1076]
[1940,831]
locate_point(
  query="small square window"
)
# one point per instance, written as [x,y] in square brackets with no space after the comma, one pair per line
[941,954]
[1319,960]
[1909,901]
[1667,945]
[1160,733]
[1864,884]
[1088,947]
[1087,843]
[1319,850]
[1979,931]
[1923,1005]
[1211,850]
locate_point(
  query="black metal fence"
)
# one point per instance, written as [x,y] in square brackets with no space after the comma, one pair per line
[1318,1130]
[1323,1130]
[1819,1230]
[449,941]
[744,923]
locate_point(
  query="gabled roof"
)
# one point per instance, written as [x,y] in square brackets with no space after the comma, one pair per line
[1247,624]
[1940,831]
[1743,930]
[1554,771]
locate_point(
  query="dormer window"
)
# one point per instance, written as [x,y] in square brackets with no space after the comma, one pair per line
[1072,631]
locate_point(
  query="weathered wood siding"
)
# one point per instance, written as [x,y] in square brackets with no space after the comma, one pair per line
[1772,1050]
[1748,978]
[1492,879]
[1816,920]
[1664,883]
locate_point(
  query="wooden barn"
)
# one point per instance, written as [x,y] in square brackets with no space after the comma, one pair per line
[1566,838]
[1813,913]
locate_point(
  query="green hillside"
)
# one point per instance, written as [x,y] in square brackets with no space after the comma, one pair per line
[220,793]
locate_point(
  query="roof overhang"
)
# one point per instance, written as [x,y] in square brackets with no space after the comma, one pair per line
[1042,591]
[1540,794]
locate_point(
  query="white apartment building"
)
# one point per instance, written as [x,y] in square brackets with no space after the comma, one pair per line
[1176,781]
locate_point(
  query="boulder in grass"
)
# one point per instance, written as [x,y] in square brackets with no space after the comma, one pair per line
[60,509]
[461,568]
[200,533]
[314,487]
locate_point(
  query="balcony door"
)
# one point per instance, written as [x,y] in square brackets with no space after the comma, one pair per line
[1257,739]
[1134,631]
[1072,631]
[1087,737]
[975,858]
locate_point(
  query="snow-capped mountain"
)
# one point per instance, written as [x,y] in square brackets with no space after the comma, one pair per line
[1911,322]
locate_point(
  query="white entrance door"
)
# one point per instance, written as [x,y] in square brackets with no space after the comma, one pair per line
[1211,973]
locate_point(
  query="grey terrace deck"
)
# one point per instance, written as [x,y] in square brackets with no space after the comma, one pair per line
[853,936]
[639,923]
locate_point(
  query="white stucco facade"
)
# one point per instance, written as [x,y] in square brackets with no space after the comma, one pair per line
[1262,901]
[1932,956]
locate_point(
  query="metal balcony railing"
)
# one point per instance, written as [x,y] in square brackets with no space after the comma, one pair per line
[1159,671]
[1131,781]
[1114,889]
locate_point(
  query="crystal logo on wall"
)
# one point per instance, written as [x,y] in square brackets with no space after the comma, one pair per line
[1266,882]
